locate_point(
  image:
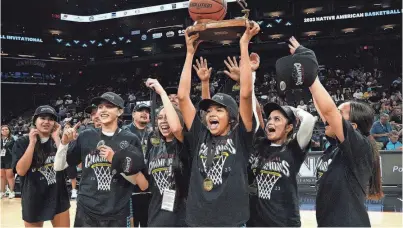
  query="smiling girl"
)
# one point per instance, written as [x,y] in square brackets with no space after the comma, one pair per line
[44,193]
[218,193]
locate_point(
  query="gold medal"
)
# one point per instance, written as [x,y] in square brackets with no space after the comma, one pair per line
[208,184]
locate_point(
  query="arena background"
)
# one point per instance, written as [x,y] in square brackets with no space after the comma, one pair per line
[63,53]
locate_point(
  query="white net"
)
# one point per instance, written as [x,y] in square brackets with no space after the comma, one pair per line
[266,182]
[215,172]
[104,177]
[161,177]
[49,173]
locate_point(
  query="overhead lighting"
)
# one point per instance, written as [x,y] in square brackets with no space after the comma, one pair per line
[377,4]
[349,30]
[119,52]
[57,58]
[177,45]
[4,54]
[55,32]
[27,56]
[311,33]
[148,49]
[226,42]
[386,27]
[276,36]
[273,14]
[312,10]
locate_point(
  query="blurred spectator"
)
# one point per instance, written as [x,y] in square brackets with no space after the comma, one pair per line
[358,94]
[393,143]
[302,105]
[380,130]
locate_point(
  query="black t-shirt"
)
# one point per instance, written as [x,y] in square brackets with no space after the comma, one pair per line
[103,193]
[342,188]
[227,204]
[275,170]
[43,190]
[167,171]
[144,136]
[325,160]
[6,148]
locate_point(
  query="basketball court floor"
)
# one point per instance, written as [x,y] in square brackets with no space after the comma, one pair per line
[383,213]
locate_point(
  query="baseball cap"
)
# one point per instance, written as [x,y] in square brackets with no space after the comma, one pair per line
[285,110]
[110,97]
[171,90]
[221,99]
[89,109]
[45,110]
[141,106]
[299,69]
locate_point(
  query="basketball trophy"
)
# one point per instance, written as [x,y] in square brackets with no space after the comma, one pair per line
[208,15]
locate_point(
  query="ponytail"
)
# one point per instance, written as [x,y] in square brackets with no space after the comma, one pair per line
[375,183]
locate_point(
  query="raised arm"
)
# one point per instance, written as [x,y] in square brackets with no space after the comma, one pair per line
[245,81]
[172,116]
[185,103]
[304,134]
[204,74]
[322,98]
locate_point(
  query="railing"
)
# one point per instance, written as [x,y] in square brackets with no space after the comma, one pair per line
[391,169]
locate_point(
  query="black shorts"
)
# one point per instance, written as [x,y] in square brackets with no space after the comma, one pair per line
[71,172]
[140,204]
[84,219]
[5,165]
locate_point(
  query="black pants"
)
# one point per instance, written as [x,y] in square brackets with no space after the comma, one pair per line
[84,219]
[140,204]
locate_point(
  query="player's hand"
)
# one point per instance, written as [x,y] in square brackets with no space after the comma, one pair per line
[56,132]
[33,135]
[70,134]
[233,69]
[294,45]
[254,61]
[155,85]
[191,42]
[106,152]
[202,69]
[249,33]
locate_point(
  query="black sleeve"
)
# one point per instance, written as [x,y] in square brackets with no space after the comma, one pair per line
[19,148]
[356,148]
[129,160]
[73,156]
[194,134]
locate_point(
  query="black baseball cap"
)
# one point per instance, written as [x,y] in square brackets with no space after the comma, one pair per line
[89,109]
[285,110]
[299,69]
[45,110]
[110,97]
[221,99]
[141,106]
[171,90]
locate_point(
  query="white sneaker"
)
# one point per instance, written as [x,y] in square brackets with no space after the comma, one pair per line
[74,193]
[11,195]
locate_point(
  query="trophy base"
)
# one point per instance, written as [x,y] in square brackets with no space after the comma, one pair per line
[219,30]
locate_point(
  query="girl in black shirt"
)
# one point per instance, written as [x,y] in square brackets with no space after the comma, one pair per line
[166,165]
[44,193]
[275,165]
[343,188]
[7,175]
[219,151]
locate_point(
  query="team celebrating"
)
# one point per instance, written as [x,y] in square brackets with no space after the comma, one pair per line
[215,163]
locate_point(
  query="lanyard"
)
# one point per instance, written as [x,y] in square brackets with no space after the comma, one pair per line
[4,142]
[211,149]
[114,134]
[163,149]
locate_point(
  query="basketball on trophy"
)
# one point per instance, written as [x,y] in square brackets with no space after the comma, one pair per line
[207,9]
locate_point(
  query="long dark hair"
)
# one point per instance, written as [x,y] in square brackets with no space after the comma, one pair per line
[9,130]
[41,151]
[363,115]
